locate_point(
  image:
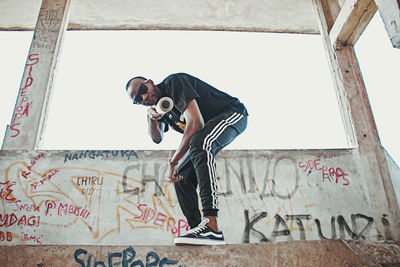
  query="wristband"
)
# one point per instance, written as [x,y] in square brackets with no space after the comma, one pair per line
[172,164]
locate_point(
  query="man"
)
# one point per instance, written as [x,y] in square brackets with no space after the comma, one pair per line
[209,120]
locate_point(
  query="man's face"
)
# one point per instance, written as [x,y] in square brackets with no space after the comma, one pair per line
[143,92]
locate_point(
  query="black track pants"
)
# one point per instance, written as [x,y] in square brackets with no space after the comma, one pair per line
[198,168]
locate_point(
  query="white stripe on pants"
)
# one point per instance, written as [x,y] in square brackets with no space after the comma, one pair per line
[207,145]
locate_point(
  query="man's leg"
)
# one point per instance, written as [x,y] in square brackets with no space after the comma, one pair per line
[204,145]
[186,192]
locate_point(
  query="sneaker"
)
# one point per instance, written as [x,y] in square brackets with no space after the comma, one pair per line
[201,235]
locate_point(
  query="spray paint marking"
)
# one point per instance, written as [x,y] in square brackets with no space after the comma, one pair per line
[328,173]
[124,259]
[23,106]
[157,219]
[6,191]
[361,225]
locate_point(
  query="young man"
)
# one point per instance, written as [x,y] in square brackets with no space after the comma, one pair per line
[209,120]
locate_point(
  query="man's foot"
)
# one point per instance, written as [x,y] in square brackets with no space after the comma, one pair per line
[201,235]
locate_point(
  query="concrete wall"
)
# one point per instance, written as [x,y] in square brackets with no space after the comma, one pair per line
[123,197]
[395,175]
[251,15]
[299,253]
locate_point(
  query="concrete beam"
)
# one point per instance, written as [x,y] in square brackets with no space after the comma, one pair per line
[352,20]
[356,110]
[28,120]
[306,253]
[325,21]
[377,174]
[293,16]
[331,9]
[390,13]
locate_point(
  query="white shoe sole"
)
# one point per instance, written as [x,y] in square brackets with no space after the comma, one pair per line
[182,241]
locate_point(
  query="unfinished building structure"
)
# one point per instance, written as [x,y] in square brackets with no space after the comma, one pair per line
[101,207]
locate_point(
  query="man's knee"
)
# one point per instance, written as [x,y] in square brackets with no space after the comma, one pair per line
[196,144]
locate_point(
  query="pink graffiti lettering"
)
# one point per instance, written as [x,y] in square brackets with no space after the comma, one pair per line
[12,127]
[25,174]
[27,207]
[158,219]
[33,58]
[8,220]
[22,108]
[310,165]
[328,173]
[66,209]
[46,177]
[5,236]
[6,191]
[34,239]
[334,174]
[49,204]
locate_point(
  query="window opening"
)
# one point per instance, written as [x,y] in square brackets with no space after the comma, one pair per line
[283,79]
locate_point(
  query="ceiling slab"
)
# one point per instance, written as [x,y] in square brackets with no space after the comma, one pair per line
[292,16]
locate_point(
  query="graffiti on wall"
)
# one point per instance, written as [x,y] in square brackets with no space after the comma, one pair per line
[125,258]
[102,205]
[47,29]
[67,196]
[360,225]
[24,103]
[100,155]
[43,43]
[327,173]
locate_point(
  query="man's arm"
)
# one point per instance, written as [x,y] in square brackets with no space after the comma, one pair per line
[155,127]
[194,123]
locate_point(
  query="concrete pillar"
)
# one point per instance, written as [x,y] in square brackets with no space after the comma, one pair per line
[28,120]
[356,110]
[390,13]
[326,23]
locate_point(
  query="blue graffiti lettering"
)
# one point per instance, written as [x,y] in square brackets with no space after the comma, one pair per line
[124,259]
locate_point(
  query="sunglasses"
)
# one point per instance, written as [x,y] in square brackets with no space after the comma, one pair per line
[138,98]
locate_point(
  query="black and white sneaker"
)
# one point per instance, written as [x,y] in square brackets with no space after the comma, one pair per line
[201,235]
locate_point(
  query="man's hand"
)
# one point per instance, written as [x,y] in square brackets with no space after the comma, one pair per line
[173,174]
[153,115]
[155,127]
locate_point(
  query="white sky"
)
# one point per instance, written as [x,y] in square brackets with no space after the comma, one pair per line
[283,79]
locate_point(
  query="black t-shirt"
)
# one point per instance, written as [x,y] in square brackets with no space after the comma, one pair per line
[183,88]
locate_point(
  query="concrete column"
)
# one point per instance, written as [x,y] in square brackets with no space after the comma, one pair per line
[390,13]
[28,120]
[353,100]
[326,23]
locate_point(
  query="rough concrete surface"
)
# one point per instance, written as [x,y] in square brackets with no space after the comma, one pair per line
[296,253]
[252,15]
[117,208]
[376,253]
[124,197]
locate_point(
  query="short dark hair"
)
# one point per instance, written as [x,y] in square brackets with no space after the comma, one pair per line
[136,77]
